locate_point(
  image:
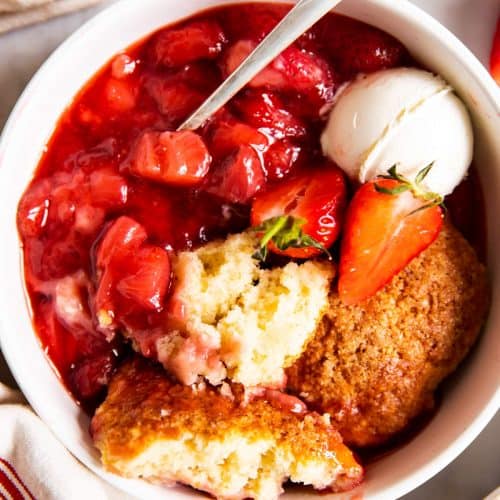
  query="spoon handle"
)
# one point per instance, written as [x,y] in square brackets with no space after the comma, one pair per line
[295,23]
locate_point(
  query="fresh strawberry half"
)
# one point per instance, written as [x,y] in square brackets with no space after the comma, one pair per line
[388,223]
[495,55]
[302,216]
[191,42]
[266,110]
[177,158]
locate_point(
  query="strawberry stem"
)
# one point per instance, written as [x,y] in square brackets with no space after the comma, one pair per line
[415,187]
[278,223]
[285,232]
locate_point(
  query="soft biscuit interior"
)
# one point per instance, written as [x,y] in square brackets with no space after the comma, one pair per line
[255,321]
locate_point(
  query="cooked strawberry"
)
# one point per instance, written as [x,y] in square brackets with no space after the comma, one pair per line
[175,98]
[228,136]
[304,71]
[120,95]
[88,219]
[147,278]
[266,110]
[202,75]
[293,69]
[386,226]
[99,156]
[122,239]
[122,66]
[178,158]
[239,177]
[236,54]
[191,42]
[495,55]
[280,158]
[33,210]
[108,188]
[302,216]
[254,21]
[64,198]
[90,375]
[356,47]
[124,264]
[60,346]
[86,115]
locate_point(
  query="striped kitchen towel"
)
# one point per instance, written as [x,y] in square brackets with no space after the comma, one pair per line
[35,465]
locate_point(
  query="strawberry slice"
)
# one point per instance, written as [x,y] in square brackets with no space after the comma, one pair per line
[386,226]
[239,177]
[266,110]
[293,69]
[177,158]
[301,217]
[495,55]
[147,278]
[191,42]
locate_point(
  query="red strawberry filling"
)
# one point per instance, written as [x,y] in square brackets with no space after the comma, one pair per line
[178,158]
[267,111]
[239,177]
[293,70]
[130,275]
[191,42]
[357,48]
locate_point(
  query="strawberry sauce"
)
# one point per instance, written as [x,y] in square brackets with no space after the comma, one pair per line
[104,163]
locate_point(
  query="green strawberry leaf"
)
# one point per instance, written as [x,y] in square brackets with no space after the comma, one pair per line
[285,232]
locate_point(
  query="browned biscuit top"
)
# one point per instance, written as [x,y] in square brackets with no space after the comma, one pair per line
[375,366]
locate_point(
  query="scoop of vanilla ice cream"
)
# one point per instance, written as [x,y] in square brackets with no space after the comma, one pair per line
[404,116]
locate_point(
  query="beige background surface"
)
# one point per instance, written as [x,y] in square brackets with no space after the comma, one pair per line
[477,471]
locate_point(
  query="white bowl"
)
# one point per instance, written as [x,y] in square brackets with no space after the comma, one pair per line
[469,403]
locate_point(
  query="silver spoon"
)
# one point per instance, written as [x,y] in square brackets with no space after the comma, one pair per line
[295,23]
